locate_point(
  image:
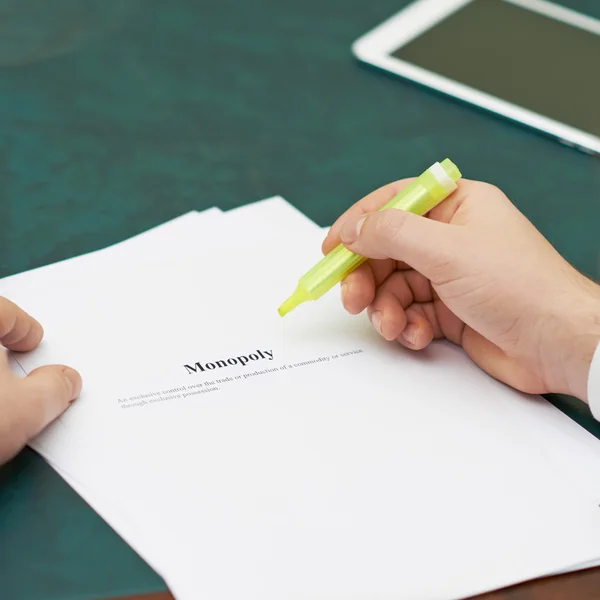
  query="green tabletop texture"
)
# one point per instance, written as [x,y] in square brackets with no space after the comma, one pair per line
[116,116]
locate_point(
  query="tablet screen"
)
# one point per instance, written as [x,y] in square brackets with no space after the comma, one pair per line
[518,55]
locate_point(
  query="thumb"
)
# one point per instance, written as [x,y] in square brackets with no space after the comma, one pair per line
[32,403]
[423,244]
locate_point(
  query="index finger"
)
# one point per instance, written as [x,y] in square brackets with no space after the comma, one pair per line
[374,201]
[18,330]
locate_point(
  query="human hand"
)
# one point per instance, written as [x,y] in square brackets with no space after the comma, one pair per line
[479,274]
[28,405]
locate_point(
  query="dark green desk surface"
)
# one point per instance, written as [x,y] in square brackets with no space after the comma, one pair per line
[115,116]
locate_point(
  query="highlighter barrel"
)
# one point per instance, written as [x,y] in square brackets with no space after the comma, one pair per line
[419,197]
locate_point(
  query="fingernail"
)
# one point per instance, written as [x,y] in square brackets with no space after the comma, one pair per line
[344,290]
[410,334]
[376,321]
[350,234]
[73,380]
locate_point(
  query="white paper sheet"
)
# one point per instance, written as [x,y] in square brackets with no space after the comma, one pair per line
[161,241]
[340,478]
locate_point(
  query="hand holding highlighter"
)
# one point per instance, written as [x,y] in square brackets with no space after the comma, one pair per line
[419,197]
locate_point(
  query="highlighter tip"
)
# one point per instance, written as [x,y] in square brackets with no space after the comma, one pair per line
[286,307]
[298,297]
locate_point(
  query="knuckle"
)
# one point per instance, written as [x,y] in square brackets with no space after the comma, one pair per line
[490,188]
[487,189]
[385,231]
[48,387]
[376,233]
[393,225]
[384,226]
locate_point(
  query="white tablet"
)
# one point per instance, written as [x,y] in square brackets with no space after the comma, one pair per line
[532,61]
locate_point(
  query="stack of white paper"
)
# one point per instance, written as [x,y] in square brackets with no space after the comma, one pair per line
[248,456]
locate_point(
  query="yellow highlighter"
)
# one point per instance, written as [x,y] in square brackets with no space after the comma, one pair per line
[419,197]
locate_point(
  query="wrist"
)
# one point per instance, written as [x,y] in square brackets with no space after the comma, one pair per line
[582,339]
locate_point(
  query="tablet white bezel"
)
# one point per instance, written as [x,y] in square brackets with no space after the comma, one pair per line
[377,45]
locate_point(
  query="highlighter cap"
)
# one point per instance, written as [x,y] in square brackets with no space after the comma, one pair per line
[451,170]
